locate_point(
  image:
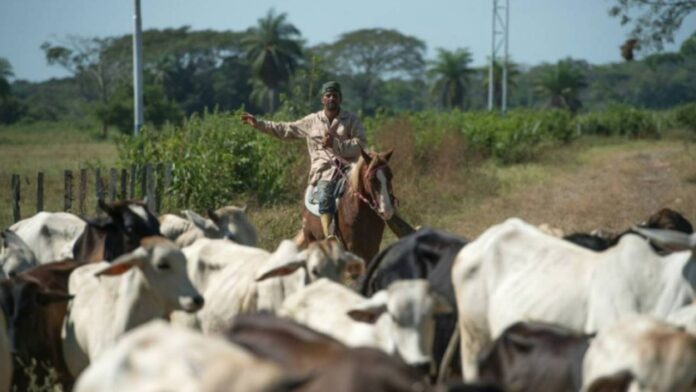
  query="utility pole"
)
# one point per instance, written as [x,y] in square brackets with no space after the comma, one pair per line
[499,37]
[137,70]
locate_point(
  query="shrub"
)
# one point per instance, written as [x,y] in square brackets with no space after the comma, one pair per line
[216,159]
[685,115]
[620,120]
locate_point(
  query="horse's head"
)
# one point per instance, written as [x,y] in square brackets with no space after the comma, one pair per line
[373,181]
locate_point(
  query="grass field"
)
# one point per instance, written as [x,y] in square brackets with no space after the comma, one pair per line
[50,148]
[594,182]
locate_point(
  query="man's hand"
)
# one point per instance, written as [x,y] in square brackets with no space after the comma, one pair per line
[249,119]
[327,141]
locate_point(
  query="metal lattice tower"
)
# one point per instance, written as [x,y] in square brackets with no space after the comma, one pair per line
[499,38]
[137,70]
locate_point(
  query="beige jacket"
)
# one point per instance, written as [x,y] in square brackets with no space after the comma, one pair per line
[349,137]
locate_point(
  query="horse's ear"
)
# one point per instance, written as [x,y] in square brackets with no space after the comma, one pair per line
[366,157]
[387,155]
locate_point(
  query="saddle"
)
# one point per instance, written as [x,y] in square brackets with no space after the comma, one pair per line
[311,198]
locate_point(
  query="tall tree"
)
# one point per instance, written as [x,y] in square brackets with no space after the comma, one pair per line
[513,71]
[274,49]
[10,107]
[97,69]
[654,21]
[562,84]
[369,56]
[451,72]
[5,74]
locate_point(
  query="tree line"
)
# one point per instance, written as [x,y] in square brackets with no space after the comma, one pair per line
[269,68]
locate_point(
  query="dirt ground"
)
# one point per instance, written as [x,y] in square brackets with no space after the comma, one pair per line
[609,187]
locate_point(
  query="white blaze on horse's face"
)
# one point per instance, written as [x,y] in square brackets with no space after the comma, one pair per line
[386,209]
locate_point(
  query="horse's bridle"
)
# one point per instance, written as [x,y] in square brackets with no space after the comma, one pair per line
[367,179]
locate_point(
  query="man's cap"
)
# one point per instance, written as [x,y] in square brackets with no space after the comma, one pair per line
[331,86]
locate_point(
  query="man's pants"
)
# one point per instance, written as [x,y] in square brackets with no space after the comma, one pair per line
[327,197]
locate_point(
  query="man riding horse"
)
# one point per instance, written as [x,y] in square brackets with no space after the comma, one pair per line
[335,138]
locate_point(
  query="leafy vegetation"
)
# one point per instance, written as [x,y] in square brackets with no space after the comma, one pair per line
[216,160]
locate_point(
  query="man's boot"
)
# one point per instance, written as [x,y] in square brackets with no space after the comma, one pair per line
[326,224]
[399,226]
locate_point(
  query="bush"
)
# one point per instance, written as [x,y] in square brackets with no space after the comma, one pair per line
[620,120]
[516,137]
[685,115]
[216,160]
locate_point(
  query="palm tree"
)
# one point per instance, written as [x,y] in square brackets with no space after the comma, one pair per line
[5,74]
[562,84]
[451,72]
[513,71]
[274,50]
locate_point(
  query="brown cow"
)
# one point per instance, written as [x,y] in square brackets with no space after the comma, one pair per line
[329,364]
[34,303]
[535,356]
[333,366]
[128,221]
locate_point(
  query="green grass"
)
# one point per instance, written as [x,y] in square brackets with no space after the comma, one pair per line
[451,188]
[51,148]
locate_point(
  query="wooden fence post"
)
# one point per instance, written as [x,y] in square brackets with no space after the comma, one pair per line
[68,188]
[98,188]
[82,192]
[143,181]
[16,214]
[150,186]
[39,192]
[124,183]
[159,175]
[133,176]
[167,183]
[113,179]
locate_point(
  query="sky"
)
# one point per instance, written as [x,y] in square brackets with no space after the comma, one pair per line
[540,30]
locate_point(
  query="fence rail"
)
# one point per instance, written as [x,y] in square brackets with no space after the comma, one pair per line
[110,185]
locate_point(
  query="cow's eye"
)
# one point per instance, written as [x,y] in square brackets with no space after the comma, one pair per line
[163,266]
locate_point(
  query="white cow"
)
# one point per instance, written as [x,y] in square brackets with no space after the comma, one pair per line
[51,235]
[5,358]
[112,298]
[252,281]
[161,357]
[659,357]
[15,254]
[228,222]
[514,272]
[398,320]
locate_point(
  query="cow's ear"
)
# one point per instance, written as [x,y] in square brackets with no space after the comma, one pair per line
[212,215]
[49,297]
[196,219]
[12,240]
[669,239]
[619,381]
[284,261]
[125,262]
[104,207]
[370,310]
[281,270]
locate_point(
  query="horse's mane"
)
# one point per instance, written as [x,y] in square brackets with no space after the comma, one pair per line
[354,177]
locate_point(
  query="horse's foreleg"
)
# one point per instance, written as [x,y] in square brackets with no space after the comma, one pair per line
[301,239]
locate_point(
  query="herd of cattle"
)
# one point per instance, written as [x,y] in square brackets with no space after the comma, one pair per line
[132,302]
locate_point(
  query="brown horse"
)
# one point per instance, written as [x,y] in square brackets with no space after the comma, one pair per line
[362,210]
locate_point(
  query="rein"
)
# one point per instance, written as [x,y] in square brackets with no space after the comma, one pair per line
[370,203]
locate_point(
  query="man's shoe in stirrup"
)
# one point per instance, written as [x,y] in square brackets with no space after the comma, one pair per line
[326,224]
